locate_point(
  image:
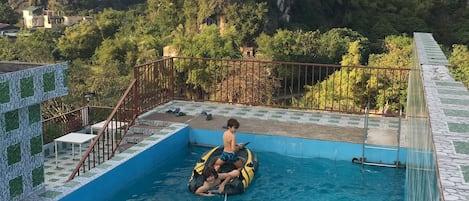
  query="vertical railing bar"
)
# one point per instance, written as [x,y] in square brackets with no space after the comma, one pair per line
[299,83]
[319,87]
[326,88]
[246,83]
[292,85]
[305,83]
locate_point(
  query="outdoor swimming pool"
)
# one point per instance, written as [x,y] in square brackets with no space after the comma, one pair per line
[278,178]
[289,169]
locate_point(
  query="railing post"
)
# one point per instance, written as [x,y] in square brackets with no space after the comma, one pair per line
[171,78]
[85,115]
[136,91]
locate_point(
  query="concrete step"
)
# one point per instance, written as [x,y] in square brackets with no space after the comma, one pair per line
[144,129]
[151,122]
[134,138]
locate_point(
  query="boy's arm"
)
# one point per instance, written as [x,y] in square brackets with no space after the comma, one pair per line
[221,187]
[203,190]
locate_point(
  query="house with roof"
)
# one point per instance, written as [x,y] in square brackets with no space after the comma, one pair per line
[36,17]
[8,30]
[33,17]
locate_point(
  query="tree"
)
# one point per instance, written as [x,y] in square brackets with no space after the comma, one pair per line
[120,52]
[340,88]
[164,15]
[248,20]
[334,43]
[7,50]
[459,60]
[190,10]
[39,46]
[285,45]
[209,44]
[390,92]
[354,55]
[108,22]
[7,14]
[79,41]
[381,90]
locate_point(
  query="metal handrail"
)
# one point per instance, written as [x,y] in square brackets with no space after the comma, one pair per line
[98,147]
[308,86]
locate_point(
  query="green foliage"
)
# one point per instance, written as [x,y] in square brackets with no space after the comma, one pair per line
[354,55]
[457,31]
[459,60]
[334,43]
[108,22]
[39,46]
[353,89]
[398,53]
[390,92]
[375,19]
[120,52]
[248,19]
[107,83]
[52,131]
[288,45]
[7,50]
[311,46]
[209,44]
[164,14]
[7,14]
[190,11]
[79,41]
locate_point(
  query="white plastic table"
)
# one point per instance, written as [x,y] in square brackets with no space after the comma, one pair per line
[113,125]
[73,138]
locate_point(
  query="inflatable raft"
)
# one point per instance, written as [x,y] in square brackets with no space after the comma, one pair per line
[237,185]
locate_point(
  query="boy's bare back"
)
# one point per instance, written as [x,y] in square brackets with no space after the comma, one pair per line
[229,141]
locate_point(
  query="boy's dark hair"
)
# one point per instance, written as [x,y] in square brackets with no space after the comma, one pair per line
[209,171]
[232,123]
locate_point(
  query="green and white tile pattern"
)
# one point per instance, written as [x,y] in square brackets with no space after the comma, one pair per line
[288,115]
[21,158]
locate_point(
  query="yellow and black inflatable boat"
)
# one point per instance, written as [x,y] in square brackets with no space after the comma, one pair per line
[237,185]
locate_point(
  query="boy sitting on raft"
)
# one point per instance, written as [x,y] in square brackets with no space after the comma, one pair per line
[230,147]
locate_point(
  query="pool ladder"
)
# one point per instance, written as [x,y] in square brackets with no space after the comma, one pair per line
[366,146]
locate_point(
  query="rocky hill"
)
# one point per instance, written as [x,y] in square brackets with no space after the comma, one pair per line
[19,5]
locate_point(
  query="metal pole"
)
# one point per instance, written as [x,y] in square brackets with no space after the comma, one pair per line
[399,135]
[365,133]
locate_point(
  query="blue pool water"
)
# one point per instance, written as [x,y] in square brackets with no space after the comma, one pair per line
[279,178]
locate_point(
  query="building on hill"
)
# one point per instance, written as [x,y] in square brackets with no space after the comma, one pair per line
[37,17]
[33,17]
[8,30]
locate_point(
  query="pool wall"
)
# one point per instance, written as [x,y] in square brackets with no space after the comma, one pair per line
[116,179]
[299,147]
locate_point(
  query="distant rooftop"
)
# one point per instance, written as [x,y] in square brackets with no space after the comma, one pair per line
[6,67]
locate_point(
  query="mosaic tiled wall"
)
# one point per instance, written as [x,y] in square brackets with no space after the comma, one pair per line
[438,111]
[21,158]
